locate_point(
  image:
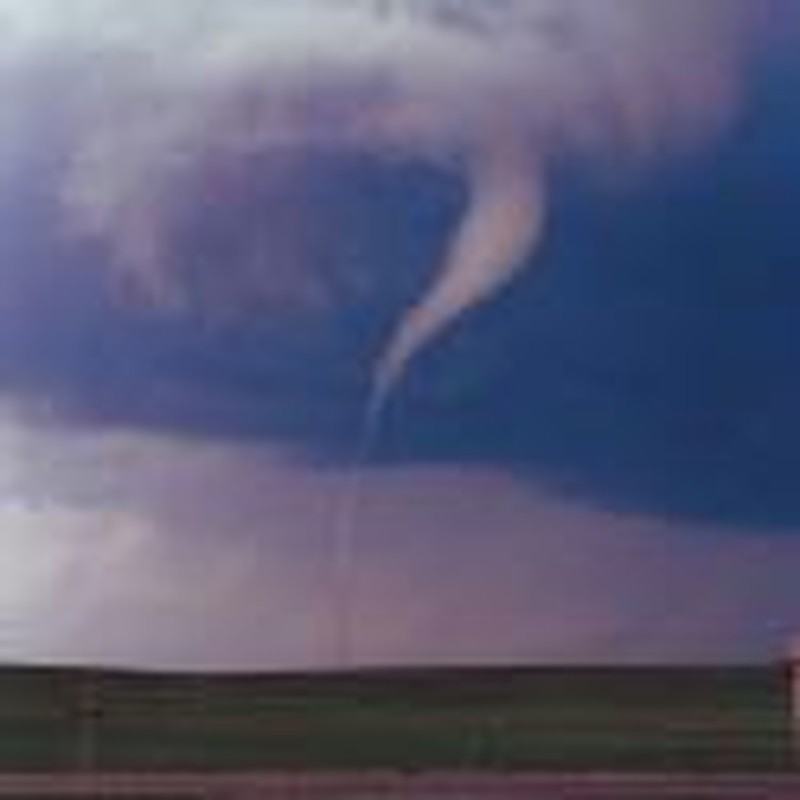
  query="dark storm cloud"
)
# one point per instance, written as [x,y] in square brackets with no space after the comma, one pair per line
[193,89]
[649,362]
[641,358]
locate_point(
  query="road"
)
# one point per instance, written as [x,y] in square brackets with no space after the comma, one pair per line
[392,786]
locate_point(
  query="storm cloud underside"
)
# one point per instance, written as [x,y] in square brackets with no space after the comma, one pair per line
[561,258]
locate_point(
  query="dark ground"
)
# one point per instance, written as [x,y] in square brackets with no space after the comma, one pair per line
[674,720]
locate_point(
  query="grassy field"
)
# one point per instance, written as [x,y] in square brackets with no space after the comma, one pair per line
[615,719]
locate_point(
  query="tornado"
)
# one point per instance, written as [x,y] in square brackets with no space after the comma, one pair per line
[494,91]
[502,224]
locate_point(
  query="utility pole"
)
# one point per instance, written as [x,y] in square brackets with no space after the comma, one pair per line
[794,698]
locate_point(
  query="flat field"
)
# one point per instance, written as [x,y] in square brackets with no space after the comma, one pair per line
[577,719]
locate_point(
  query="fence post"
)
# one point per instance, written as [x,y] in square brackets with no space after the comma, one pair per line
[794,697]
[88,711]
